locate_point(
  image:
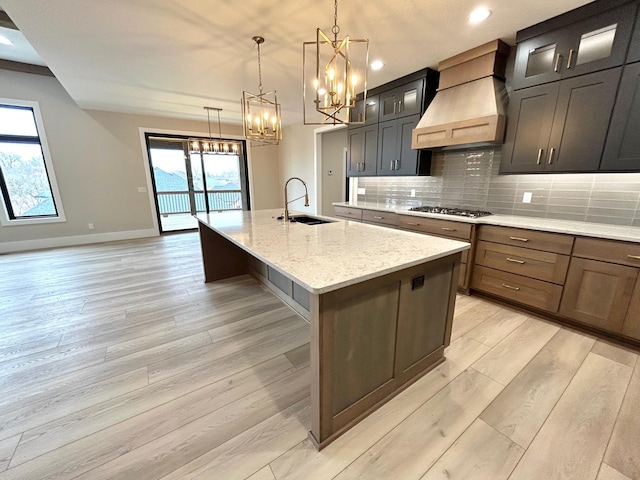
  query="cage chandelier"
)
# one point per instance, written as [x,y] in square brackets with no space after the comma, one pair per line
[211,145]
[334,72]
[261,117]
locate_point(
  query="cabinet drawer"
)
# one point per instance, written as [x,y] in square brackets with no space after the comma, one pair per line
[348,212]
[436,227]
[384,218]
[535,293]
[611,251]
[547,266]
[545,241]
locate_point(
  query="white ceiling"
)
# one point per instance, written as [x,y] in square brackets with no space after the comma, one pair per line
[172,57]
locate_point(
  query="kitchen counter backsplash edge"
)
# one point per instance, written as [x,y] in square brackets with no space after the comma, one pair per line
[587,229]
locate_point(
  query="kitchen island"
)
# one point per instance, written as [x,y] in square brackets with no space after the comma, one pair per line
[380,304]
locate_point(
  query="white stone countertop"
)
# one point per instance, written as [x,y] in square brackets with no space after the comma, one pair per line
[330,256]
[587,229]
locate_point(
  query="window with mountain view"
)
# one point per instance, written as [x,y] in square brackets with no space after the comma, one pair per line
[25,172]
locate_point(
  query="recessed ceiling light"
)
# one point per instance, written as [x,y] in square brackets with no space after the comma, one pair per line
[5,41]
[377,65]
[479,14]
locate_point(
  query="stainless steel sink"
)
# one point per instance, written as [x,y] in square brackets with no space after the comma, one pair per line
[307,220]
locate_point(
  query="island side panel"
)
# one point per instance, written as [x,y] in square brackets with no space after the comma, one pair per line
[354,329]
[422,325]
[220,257]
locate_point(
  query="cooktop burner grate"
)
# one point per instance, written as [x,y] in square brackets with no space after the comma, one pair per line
[460,212]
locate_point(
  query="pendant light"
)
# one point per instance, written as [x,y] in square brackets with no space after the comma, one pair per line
[261,117]
[334,72]
[211,146]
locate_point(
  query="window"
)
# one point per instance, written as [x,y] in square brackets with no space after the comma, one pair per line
[27,181]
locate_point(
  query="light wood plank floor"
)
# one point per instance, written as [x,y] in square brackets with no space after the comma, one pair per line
[118,362]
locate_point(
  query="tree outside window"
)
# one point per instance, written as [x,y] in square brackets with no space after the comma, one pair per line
[25,182]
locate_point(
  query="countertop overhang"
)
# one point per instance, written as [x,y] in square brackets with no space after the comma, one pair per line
[326,257]
[587,229]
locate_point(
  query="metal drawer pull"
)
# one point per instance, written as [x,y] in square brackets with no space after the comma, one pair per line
[636,257]
[510,287]
[515,261]
[449,229]
[378,218]
[520,239]
[414,224]
[570,58]
[551,152]
[555,66]
[540,150]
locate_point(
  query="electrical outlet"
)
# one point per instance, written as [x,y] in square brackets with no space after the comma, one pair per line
[526,198]
[90,226]
[142,189]
[413,192]
[360,191]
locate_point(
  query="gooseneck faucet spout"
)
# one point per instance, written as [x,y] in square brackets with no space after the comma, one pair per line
[287,201]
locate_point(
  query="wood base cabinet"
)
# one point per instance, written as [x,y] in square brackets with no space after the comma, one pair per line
[464,232]
[603,286]
[523,266]
[598,293]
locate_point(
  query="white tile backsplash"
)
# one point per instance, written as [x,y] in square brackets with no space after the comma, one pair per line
[470,179]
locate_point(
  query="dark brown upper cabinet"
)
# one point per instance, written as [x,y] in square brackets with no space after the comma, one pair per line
[363,149]
[561,126]
[634,48]
[594,43]
[382,145]
[402,101]
[366,111]
[622,150]
[395,156]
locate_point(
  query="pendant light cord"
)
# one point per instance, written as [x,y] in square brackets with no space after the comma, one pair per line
[259,70]
[335,29]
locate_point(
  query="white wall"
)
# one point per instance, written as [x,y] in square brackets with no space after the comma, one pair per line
[297,160]
[333,159]
[99,162]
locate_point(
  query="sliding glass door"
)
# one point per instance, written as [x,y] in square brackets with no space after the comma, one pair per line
[181,179]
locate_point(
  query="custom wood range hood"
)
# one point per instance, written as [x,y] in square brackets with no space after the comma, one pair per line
[471,101]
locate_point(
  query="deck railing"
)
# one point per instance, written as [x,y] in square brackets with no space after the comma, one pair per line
[178,202]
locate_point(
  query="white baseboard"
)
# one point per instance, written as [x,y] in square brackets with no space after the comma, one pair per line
[23,245]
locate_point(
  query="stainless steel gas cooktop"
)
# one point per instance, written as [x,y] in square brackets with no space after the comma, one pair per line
[460,212]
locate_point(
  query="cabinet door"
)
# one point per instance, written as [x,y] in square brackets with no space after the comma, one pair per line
[402,101]
[365,112]
[634,48]
[631,326]
[599,42]
[596,43]
[622,149]
[407,157]
[387,147]
[598,293]
[418,336]
[581,121]
[538,60]
[528,129]
[363,149]
[395,155]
